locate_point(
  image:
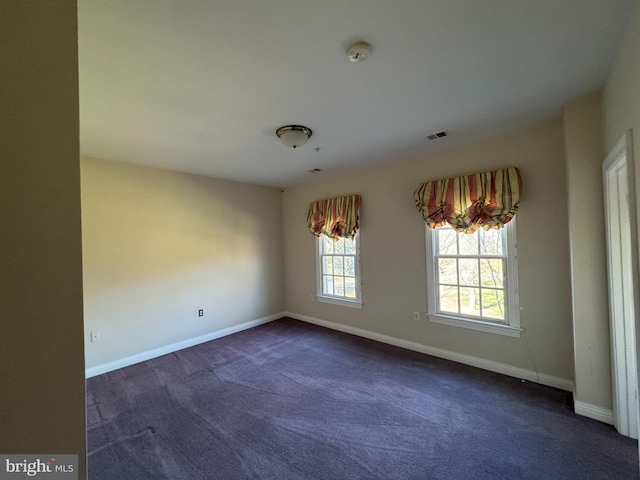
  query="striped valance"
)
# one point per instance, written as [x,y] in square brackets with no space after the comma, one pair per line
[335,217]
[482,200]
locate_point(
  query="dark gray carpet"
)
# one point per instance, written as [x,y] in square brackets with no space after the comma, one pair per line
[288,400]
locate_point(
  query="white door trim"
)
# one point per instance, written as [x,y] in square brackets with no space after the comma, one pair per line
[622,266]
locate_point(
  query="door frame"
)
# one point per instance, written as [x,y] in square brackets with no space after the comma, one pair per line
[623,350]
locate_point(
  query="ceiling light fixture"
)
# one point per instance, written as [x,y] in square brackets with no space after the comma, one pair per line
[294,135]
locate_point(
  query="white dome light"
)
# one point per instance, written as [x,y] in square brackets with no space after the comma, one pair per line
[294,135]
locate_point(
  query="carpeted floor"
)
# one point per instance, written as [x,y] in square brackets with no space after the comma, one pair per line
[288,400]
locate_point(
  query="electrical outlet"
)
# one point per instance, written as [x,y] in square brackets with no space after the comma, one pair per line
[312,298]
[95,336]
[201,313]
[416,315]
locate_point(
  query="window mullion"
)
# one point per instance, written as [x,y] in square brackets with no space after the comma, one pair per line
[479,278]
[458,286]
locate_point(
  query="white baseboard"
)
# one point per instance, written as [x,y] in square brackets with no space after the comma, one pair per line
[174,347]
[593,411]
[503,368]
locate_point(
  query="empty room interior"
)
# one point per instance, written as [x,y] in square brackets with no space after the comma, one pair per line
[309,240]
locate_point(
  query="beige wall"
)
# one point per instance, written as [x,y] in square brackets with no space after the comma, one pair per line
[393,250]
[622,99]
[160,245]
[584,152]
[622,90]
[622,94]
[41,355]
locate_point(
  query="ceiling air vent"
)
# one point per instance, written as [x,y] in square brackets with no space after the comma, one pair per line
[437,135]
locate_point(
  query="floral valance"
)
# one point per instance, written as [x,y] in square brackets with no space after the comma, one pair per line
[335,217]
[482,200]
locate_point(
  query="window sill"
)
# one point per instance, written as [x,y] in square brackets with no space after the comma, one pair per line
[340,301]
[479,325]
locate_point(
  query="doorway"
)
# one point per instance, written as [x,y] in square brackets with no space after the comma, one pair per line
[622,263]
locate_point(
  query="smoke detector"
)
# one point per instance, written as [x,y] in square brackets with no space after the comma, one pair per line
[358,51]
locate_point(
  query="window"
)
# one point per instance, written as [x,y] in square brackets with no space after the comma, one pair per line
[472,279]
[339,271]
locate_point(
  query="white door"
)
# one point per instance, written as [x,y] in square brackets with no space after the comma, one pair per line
[623,282]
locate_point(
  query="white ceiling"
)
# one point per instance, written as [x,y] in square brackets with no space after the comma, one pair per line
[201,86]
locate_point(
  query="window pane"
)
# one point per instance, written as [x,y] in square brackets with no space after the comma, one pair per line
[470,301]
[349,246]
[327,287]
[327,245]
[447,243]
[338,265]
[350,266]
[327,265]
[468,243]
[448,299]
[469,276]
[447,271]
[493,304]
[349,287]
[491,273]
[468,269]
[338,272]
[490,242]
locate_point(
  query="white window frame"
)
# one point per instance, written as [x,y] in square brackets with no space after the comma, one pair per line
[337,300]
[511,325]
